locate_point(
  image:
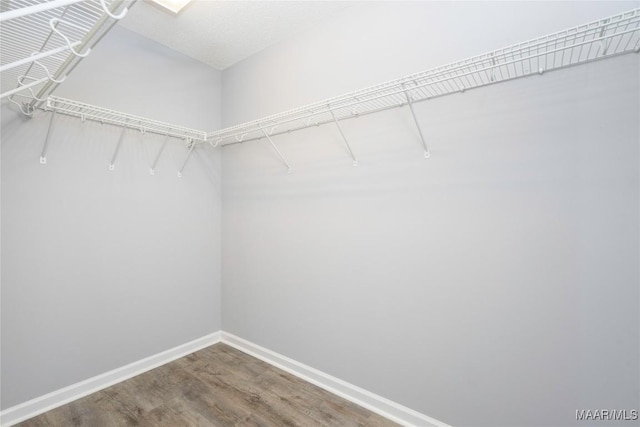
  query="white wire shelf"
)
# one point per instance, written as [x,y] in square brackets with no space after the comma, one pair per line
[42,41]
[103,115]
[597,40]
[126,121]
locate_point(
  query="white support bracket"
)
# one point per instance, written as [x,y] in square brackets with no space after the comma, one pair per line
[152,171]
[276,149]
[112,164]
[43,155]
[344,139]
[192,145]
[415,119]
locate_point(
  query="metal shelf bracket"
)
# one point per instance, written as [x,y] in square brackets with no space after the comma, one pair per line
[152,171]
[344,138]
[43,154]
[112,163]
[415,120]
[276,149]
[191,144]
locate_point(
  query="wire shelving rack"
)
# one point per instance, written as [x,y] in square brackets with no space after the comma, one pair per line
[103,115]
[606,38]
[41,42]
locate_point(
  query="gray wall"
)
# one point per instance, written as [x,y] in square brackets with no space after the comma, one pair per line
[495,284]
[100,268]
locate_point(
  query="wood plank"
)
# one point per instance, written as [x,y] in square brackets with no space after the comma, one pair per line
[216,386]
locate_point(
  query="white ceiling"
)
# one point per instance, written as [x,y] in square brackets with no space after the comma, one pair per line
[221,33]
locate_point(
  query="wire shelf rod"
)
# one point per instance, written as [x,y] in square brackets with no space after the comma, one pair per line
[24,87]
[38,56]
[75,14]
[36,8]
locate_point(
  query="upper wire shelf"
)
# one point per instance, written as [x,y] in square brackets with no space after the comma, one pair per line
[608,37]
[42,41]
[104,115]
[602,39]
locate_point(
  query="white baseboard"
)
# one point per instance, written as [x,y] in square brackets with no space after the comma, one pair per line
[31,408]
[378,404]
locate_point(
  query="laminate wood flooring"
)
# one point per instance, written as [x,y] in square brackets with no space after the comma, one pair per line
[216,386]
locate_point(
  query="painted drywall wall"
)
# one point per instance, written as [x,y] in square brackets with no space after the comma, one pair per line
[494,284]
[100,268]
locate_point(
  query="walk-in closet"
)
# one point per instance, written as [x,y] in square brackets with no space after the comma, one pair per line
[319,213]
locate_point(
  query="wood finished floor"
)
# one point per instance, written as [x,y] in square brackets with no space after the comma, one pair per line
[216,386]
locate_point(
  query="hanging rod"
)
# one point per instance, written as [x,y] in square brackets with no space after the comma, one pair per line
[605,38]
[103,115]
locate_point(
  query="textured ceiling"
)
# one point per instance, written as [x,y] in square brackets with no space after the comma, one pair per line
[221,33]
